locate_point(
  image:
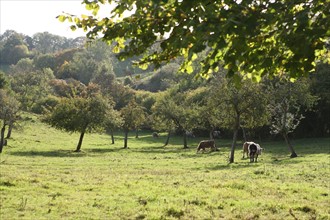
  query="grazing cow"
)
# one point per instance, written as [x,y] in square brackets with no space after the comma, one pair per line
[254,151]
[206,144]
[246,148]
[155,135]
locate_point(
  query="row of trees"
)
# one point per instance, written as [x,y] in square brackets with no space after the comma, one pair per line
[15,46]
[220,104]
[65,56]
[216,105]
[107,104]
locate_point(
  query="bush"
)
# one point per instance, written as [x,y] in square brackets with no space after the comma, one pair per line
[45,104]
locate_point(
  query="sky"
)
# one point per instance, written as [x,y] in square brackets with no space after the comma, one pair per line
[33,16]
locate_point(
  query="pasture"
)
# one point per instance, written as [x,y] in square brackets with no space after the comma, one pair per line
[42,178]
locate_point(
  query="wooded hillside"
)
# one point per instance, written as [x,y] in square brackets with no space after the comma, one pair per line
[45,71]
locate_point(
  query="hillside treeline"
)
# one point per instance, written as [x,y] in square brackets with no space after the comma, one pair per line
[79,85]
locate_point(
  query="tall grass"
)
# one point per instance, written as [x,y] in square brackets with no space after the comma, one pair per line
[42,178]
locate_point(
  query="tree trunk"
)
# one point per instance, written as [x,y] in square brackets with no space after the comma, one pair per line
[233,145]
[244,134]
[112,137]
[10,128]
[125,140]
[168,138]
[2,139]
[137,133]
[80,141]
[211,134]
[287,140]
[185,146]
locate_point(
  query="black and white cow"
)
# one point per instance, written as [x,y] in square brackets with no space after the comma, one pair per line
[253,150]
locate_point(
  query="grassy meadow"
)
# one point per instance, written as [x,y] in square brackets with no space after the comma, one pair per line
[42,178]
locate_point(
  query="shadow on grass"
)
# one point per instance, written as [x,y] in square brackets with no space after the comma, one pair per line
[54,153]
[286,160]
[245,163]
[68,153]
[177,140]
[161,150]
[302,147]
[106,150]
[279,153]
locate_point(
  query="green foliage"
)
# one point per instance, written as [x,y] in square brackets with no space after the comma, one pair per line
[78,114]
[83,68]
[172,111]
[29,83]
[133,116]
[13,48]
[9,107]
[45,104]
[67,88]
[146,100]
[209,112]
[121,94]
[162,79]
[203,104]
[87,64]
[62,58]
[82,111]
[46,42]
[113,120]
[247,37]
[286,104]
[44,61]
[246,103]
[3,80]
[238,107]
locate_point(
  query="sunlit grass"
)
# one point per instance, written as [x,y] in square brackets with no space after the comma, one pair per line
[42,178]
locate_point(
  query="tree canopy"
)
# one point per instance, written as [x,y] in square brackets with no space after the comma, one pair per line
[79,114]
[249,38]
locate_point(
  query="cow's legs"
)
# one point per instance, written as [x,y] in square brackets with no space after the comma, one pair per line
[252,157]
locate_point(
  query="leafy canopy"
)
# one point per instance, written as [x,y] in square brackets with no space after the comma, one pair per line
[250,38]
[79,114]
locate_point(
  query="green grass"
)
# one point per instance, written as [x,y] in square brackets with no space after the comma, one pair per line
[42,178]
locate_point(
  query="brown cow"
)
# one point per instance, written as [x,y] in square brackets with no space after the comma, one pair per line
[206,144]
